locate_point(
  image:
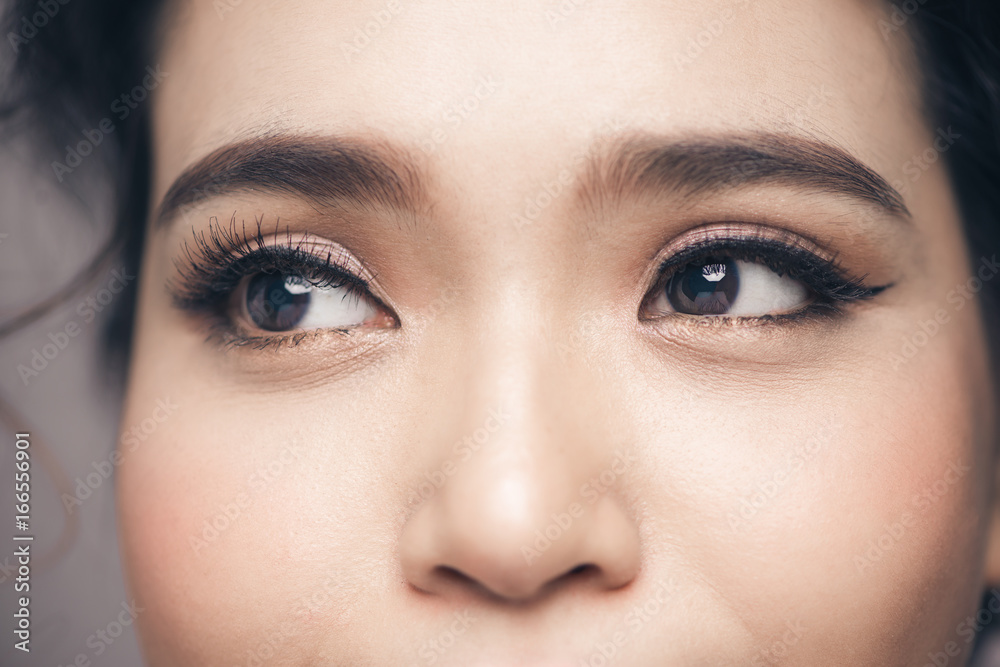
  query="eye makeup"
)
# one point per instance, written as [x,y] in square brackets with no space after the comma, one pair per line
[707,258]
[220,270]
[251,288]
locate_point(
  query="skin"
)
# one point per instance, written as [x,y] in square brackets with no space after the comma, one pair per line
[532,333]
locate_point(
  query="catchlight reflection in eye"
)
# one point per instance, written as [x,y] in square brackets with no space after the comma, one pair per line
[726,286]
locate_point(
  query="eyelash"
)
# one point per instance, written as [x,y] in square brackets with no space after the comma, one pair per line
[828,281]
[211,271]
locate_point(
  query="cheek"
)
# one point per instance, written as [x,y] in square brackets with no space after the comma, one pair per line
[885,517]
[841,504]
[229,514]
[886,514]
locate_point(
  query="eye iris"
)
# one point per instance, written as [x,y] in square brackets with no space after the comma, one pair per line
[708,287]
[276,301]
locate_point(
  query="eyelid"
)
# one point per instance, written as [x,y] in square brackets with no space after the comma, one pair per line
[715,234]
[219,246]
[737,231]
[789,254]
[208,274]
[241,243]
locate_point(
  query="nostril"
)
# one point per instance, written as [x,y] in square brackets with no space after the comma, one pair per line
[453,575]
[581,574]
[457,548]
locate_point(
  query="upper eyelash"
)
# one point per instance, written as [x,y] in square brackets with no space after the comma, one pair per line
[209,272]
[826,278]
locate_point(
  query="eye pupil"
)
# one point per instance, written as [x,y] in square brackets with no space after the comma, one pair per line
[707,287]
[276,301]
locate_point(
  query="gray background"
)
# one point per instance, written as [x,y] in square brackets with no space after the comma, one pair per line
[48,232]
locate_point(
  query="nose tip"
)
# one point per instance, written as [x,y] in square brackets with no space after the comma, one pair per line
[508,539]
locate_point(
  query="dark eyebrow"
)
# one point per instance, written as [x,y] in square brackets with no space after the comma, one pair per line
[701,165]
[326,170]
[334,170]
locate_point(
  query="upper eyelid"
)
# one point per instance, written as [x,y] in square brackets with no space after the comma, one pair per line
[736,232]
[203,272]
[750,250]
[197,296]
[236,240]
[794,253]
[233,244]
[670,266]
[193,283]
[840,286]
[297,258]
[719,233]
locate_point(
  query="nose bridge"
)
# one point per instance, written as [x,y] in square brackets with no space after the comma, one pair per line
[524,419]
[522,454]
[517,512]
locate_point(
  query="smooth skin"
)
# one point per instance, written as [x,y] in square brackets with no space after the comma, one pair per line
[381,498]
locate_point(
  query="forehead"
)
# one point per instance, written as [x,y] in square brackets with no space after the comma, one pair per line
[530,80]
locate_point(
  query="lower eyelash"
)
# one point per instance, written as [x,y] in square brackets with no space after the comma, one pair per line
[808,312]
[226,338]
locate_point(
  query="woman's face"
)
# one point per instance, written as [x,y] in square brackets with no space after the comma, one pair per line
[555,333]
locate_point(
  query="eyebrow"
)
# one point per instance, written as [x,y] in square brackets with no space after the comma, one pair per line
[331,171]
[702,165]
[326,170]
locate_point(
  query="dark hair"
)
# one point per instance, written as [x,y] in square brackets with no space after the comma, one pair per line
[74,57]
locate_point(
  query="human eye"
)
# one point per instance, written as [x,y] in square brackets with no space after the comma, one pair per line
[752,276]
[253,289]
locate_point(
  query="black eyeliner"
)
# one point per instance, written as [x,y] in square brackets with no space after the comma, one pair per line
[211,271]
[829,283]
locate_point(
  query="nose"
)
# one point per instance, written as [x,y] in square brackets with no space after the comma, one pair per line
[521,505]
